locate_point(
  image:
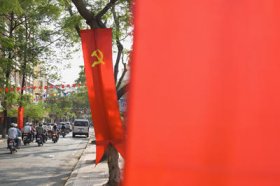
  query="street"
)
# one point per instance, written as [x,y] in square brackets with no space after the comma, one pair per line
[50,164]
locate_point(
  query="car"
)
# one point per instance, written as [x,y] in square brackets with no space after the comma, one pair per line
[80,127]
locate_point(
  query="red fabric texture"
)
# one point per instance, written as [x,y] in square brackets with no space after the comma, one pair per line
[205,94]
[102,90]
[20,117]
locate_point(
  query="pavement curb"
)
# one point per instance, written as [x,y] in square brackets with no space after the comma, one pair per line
[73,175]
[86,172]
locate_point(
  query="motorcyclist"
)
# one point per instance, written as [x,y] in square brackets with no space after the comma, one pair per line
[55,130]
[27,129]
[40,131]
[63,128]
[14,134]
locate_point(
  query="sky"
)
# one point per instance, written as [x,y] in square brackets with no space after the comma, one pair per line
[69,75]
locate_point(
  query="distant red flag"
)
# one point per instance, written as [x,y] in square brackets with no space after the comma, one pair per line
[204,100]
[97,52]
[20,117]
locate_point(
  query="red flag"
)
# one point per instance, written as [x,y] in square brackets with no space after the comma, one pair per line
[204,99]
[97,52]
[20,117]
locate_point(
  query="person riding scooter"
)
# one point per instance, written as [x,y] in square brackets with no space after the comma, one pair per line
[55,133]
[14,134]
[63,130]
[40,132]
[27,131]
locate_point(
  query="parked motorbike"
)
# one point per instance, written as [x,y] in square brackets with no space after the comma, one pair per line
[12,145]
[39,140]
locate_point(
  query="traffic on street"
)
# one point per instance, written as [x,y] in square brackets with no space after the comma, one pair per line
[47,164]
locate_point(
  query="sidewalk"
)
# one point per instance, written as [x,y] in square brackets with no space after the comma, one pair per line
[86,173]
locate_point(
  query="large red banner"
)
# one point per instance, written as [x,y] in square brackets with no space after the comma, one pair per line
[204,101]
[97,52]
[20,117]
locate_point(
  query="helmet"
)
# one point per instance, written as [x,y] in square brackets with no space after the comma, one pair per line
[13,125]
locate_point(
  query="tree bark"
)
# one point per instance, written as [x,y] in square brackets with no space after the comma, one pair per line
[5,123]
[122,91]
[113,165]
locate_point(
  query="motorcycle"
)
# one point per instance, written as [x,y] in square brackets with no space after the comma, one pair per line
[63,133]
[54,138]
[39,139]
[12,145]
[27,138]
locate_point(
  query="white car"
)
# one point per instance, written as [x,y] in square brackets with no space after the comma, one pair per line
[80,127]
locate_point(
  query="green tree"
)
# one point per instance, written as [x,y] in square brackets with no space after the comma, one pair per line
[28,30]
[60,107]
[9,23]
[36,111]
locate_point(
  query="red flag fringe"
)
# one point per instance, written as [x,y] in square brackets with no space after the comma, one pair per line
[63,86]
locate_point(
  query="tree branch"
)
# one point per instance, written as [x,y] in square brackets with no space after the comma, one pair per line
[86,14]
[122,76]
[105,9]
[119,45]
[116,67]
[122,91]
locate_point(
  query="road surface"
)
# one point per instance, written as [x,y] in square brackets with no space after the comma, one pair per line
[50,164]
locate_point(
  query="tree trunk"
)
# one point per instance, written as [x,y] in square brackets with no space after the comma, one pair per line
[113,165]
[5,124]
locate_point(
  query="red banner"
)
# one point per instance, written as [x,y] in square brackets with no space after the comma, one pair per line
[204,105]
[20,117]
[97,52]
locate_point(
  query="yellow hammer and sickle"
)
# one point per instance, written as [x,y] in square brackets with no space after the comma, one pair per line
[99,56]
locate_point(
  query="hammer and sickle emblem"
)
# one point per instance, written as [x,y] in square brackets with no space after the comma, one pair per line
[99,56]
